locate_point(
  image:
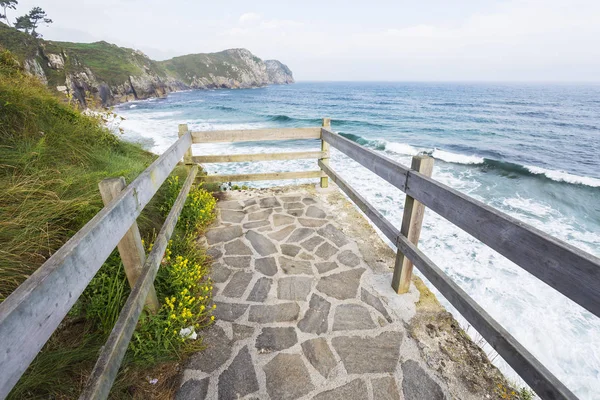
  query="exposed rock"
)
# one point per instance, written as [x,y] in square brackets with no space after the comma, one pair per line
[287,377]
[355,390]
[350,317]
[369,355]
[315,318]
[342,285]
[417,384]
[239,379]
[276,339]
[278,73]
[264,314]
[318,353]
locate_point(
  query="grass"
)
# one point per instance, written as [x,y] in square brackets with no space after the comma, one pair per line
[53,157]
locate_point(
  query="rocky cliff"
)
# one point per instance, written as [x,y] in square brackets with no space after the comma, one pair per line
[106,74]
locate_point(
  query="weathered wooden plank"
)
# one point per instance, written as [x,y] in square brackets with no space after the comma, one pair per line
[526,365]
[35,309]
[325,149]
[388,169]
[106,368]
[187,158]
[542,381]
[251,135]
[412,221]
[262,177]
[301,155]
[571,271]
[130,247]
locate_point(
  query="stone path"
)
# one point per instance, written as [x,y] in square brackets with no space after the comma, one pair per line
[296,315]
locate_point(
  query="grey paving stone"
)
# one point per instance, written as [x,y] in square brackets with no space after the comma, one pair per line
[296,213]
[216,353]
[295,267]
[287,377]
[326,250]
[308,201]
[193,389]
[214,252]
[290,250]
[290,199]
[264,314]
[293,206]
[326,266]
[218,235]
[237,284]
[318,353]
[251,209]
[281,219]
[310,244]
[276,339]
[229,311]
[260,215]
[369,355]
[342,285]
[417,384]
[305,256]
[256,224]
[315,212]
[249,202]
[311,222]
[385,388]
[355,390]
[237,248]
[269,202]
[374,302]
[267,265]
[294,288]
[238,261]
[282,233]
[261,244]
[232,216]
[239,379]
[241,332]
[219,273]
[332,233]
[229,205]
[347,257]
[300,234]
[352,316]
[315,318]
[261,289]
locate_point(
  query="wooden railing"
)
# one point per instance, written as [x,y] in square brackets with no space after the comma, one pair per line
[35,309]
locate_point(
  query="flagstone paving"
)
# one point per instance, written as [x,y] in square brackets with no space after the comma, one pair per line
[297,314]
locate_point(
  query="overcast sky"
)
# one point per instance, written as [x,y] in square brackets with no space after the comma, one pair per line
[520,40]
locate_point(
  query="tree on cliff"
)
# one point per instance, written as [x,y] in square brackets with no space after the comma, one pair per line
[6,4]
[31,21]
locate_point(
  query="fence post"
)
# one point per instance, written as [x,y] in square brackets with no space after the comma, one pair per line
[187,158]
[411,228]
[130,247]
[325,149]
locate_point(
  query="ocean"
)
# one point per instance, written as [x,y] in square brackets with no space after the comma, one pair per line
[530,150]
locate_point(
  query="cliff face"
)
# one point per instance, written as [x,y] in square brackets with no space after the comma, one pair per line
[107,74]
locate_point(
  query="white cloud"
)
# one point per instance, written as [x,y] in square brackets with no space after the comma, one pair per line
[249,17]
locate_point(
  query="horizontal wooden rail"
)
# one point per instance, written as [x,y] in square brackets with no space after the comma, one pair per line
[573,272]
[30,315]
[258,157]
[524,363]
[111,356]
[251,135]
[263,177]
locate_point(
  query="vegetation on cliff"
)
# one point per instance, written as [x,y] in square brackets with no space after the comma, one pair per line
[53,157]
[111,74]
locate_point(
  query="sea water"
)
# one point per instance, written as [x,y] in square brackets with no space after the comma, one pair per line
[529,150]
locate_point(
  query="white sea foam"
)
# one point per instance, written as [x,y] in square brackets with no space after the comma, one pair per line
[562,176]
[401,148]
[456,158]
[133,106]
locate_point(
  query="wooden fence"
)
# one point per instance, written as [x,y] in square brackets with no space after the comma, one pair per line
[35,309]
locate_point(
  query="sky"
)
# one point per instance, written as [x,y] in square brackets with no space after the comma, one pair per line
[376,40]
